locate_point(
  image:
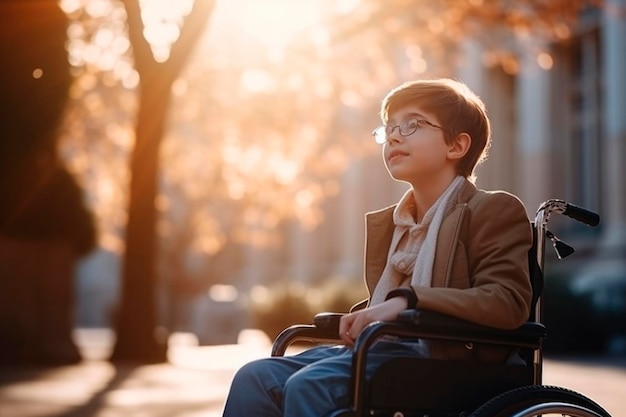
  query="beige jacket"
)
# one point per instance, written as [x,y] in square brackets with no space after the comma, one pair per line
[480,272]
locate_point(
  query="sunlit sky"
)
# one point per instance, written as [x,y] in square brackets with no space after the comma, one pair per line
[272,23]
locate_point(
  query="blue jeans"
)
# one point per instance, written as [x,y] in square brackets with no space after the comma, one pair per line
[314,383]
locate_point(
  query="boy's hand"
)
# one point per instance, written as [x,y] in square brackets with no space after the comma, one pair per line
[351,325]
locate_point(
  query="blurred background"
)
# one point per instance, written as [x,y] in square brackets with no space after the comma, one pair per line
[203,167]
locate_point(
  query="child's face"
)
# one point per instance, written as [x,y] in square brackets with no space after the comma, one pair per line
[420,156]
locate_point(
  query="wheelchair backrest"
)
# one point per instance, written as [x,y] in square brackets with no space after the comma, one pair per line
[536,276]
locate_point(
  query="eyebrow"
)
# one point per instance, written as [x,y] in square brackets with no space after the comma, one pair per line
[408,116]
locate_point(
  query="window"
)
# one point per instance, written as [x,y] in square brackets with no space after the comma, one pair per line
[578,132]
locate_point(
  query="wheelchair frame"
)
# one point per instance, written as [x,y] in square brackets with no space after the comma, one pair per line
[508,391]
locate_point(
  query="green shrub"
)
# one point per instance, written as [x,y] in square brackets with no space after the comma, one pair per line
[275,308]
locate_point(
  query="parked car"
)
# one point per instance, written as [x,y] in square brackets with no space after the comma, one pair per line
[585,307]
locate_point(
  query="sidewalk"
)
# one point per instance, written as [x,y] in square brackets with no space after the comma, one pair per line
[196,380]
[194,383]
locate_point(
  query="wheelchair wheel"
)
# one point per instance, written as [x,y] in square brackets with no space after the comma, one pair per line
[537,400]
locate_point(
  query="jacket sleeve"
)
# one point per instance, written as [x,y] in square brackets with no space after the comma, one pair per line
[497,243]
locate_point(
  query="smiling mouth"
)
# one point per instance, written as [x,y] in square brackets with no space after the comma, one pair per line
[396,155]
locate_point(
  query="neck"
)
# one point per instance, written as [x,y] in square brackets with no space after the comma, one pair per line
[427,193]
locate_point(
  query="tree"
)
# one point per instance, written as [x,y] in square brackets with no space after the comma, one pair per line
[137,338]
[45,226]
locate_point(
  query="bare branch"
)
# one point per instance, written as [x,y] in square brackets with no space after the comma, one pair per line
[141,48]
[190,32]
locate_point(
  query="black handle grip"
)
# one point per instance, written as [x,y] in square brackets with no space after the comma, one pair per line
[582,214]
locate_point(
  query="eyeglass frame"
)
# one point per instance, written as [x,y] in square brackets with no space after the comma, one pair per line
[385,129]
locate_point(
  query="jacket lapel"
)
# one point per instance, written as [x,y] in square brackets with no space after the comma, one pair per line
[447,242]
[449,236]
[379,233]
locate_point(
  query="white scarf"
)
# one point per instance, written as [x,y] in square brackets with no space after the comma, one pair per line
[412,249]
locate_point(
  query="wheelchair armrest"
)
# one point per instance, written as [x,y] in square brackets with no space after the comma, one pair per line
[411,323]
[428,324]
[325,329]
[328,321]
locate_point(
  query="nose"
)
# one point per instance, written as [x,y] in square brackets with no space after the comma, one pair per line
[394,135]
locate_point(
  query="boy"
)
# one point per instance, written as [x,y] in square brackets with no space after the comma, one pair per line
[445,246]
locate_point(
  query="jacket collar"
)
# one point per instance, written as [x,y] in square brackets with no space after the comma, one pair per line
[380,228]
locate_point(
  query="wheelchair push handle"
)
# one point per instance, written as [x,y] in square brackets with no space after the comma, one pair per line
[581,214]
[567,209]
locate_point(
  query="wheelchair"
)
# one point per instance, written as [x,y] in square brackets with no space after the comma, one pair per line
[458,388]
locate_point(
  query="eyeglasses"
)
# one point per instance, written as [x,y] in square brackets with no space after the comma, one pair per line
[406,128]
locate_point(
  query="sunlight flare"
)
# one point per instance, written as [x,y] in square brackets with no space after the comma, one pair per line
[275,22]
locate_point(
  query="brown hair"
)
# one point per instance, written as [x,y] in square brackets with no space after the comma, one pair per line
[457,108]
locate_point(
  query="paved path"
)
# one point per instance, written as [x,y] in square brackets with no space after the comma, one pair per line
[601,379]
[195,381]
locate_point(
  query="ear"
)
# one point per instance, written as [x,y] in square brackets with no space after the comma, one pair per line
[459,146]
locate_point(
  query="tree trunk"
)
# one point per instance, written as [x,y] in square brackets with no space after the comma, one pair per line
[136,319]
[138,336]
